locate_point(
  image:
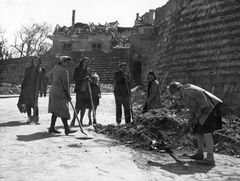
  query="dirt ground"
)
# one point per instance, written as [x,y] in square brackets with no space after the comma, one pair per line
[29,152]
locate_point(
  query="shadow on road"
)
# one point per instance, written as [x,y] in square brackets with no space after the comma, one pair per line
[189,167]
[13,123]
[35,136]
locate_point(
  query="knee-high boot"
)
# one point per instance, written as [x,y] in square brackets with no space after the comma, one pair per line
[52,125]
[66,127]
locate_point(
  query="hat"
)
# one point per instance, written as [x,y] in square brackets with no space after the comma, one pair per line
[122,64]
[173,87]
[64,59]
[152,73]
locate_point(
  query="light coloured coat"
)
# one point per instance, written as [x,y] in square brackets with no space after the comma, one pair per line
[59,93]
[194,98]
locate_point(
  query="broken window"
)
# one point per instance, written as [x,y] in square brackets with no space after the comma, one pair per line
[67,47]
[96,46]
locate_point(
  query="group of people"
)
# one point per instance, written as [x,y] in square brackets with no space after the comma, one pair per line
[87,89]
[204,106]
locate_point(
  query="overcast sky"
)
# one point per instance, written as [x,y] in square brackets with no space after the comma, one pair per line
[15,13]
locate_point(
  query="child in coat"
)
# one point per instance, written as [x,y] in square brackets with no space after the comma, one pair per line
[96,95]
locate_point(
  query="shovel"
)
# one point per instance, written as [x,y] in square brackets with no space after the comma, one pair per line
[129,95]
[34,118]
[75,112]
[168,148]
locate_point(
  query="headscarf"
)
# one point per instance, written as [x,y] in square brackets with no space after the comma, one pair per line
[64,59]
[152,73]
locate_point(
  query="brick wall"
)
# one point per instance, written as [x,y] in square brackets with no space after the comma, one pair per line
[104,64]
[198,41]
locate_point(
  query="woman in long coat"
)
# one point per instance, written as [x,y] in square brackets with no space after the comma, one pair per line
[81,76]
[153,97]
[59,95]
[207,106]
[33,82]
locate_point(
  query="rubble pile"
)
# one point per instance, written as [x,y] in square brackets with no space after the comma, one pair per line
[83,29]
[159,125]
[106,88]
[165,124]
[6,89]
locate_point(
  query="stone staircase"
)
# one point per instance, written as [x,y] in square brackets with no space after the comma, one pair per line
[104,64]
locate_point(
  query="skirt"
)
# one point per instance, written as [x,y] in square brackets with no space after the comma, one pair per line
[212,123]
[83,100]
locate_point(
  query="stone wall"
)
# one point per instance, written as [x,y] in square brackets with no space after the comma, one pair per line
[104,64]
[198,41]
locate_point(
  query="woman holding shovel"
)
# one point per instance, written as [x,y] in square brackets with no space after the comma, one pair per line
[59,95]
[33,82]
[81,76]
[205,105]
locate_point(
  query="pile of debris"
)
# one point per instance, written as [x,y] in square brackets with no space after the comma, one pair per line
[83,29]
[8,89]
[165,124]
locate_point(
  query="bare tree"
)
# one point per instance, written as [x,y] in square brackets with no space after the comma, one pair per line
[4,53]
[31,40]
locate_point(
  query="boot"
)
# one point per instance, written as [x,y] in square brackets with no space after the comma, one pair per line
[66,127]
[52,125]
[90,121]
[94,121]
[53,130]
[73,122]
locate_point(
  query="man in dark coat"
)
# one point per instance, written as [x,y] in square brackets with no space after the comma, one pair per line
[122,93]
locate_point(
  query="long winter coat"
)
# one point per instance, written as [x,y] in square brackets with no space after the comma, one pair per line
[195,99]
[31,79]
[153,97]
[59,93]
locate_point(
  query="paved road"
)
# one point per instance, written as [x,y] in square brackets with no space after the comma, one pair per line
[65,158]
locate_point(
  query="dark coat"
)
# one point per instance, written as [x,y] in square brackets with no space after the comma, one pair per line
[120,86]
[153,97]
[29,86]
[96,93]
[79,77]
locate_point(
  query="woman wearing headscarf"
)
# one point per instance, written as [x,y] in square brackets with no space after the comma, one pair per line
[33,82]
[81,76]
[153,97]
[205,105]
[59,95]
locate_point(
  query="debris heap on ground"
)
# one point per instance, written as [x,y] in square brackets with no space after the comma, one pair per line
[165,124]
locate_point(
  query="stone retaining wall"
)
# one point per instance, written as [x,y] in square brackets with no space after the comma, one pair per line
[198,41]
